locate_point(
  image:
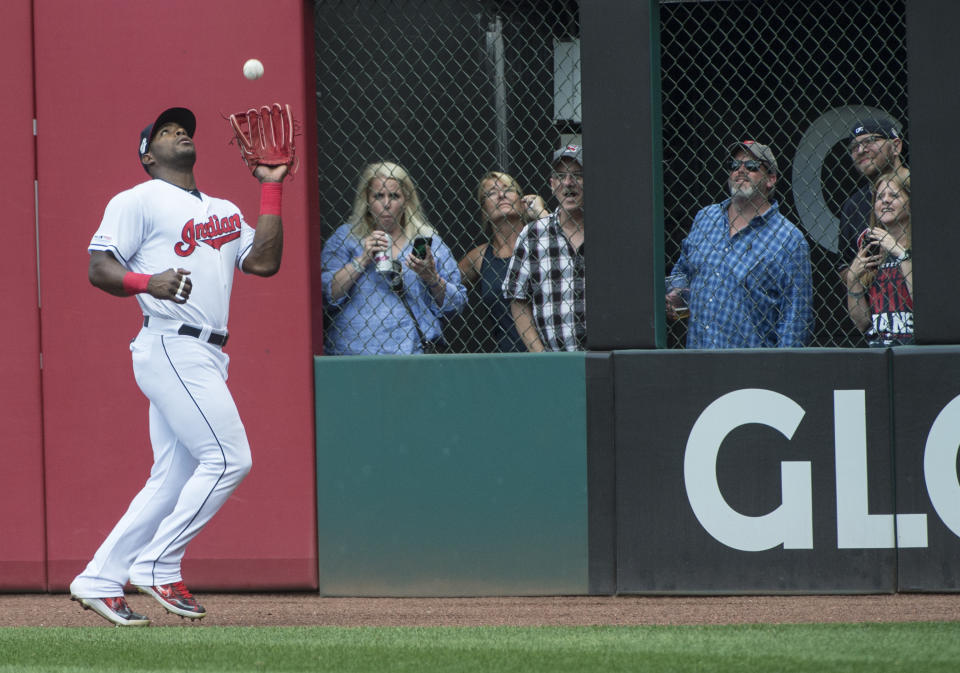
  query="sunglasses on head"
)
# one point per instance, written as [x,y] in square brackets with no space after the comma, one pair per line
[751,165]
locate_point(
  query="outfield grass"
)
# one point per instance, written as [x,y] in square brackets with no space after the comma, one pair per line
[929,647]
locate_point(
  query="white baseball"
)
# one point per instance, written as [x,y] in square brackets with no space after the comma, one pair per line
[253,69]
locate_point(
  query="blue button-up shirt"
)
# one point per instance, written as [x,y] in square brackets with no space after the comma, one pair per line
[370,319]
[752,289]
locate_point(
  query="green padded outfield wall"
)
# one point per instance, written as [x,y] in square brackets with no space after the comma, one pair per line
[452,475]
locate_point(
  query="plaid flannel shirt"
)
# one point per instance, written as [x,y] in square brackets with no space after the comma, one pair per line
[750,290]
[546,271]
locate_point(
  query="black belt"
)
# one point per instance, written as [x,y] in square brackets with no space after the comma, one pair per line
[190,330]
[214,338]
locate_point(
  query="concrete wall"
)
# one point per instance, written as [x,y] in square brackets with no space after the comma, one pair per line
[452,475]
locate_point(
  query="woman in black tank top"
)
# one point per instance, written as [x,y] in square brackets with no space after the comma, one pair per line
[504,213]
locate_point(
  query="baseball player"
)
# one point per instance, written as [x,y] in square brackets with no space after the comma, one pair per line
[176,248]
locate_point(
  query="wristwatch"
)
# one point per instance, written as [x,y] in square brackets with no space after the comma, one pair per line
[904,257]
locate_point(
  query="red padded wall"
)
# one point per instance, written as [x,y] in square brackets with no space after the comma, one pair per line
[104,70]
[22,552]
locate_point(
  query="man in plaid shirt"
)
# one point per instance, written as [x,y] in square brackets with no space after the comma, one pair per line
[748,267]
[544,280]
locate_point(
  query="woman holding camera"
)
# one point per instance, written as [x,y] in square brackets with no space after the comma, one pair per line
[880,282]
[504,213]
[388,278]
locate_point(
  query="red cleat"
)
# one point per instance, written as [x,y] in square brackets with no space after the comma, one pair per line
[176,598]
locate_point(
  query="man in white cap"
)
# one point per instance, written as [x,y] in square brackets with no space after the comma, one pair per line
[545,278]
[748,266]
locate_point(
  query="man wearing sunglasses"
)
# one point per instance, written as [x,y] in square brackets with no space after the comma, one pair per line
[875,147]
[747,265]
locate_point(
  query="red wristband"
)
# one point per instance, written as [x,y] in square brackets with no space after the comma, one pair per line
[270,195]
[135,283]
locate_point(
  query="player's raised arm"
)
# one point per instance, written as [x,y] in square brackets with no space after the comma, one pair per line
[265,255]
[265,136]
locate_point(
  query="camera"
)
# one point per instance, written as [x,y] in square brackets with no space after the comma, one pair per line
[394,275]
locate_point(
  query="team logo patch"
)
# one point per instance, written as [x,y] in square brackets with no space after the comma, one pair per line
[215,232]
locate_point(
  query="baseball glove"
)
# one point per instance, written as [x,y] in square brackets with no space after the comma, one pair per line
[265,136]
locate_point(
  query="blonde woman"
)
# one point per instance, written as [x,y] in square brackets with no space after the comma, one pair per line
[504,213]
[387,308]
[880,282]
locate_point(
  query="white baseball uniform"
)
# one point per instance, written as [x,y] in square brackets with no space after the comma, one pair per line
[200,449]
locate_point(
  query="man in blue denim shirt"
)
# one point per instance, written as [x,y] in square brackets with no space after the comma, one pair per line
[748,267]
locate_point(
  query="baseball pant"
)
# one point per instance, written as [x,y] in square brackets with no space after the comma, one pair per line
[200,455]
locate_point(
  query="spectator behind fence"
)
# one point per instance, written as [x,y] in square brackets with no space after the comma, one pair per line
[396,305]
[875,147]
[504,213]
[747,266]
[880,278]
[545,277]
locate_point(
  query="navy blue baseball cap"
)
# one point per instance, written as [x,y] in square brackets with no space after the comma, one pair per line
[883,126]
[178,115]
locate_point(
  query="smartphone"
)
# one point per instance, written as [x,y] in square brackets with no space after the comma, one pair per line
[420,245]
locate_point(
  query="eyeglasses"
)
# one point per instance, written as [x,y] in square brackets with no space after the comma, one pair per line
[567,174]
[493,193]
[863,142]
[751,165]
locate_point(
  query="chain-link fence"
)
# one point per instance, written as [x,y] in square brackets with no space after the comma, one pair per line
[446,91]
[797,76]
[432,95]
